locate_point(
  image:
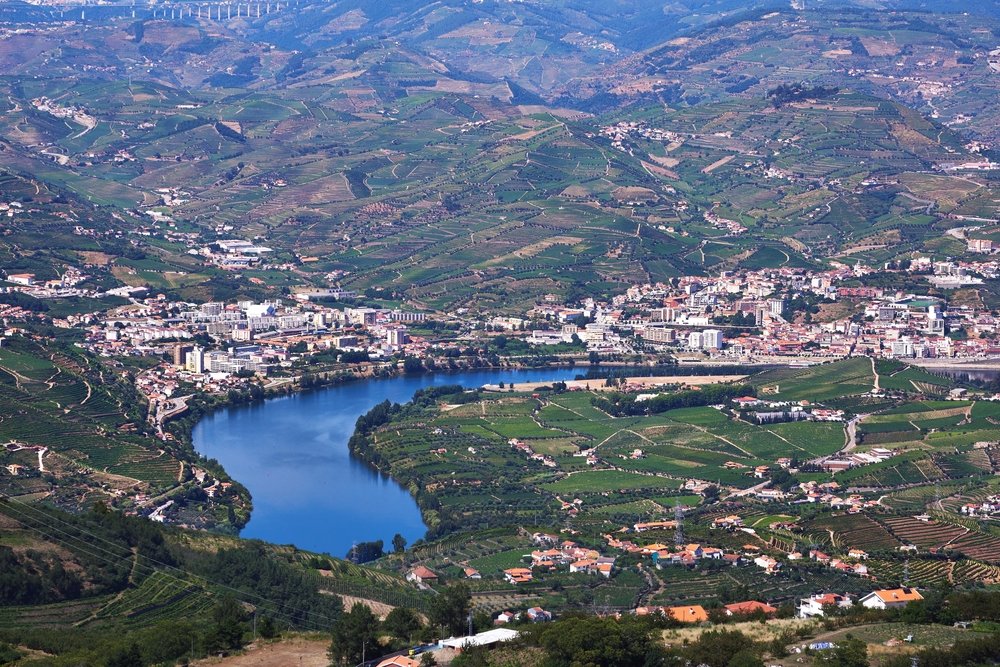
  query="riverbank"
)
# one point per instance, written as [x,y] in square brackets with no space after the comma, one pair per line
[957,365]
[280,461]
[291,452]
[597,384]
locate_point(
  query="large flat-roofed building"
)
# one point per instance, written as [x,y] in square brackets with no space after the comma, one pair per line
[488,638]
[659,335]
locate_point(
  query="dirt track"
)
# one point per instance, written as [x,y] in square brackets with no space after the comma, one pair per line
[294,652]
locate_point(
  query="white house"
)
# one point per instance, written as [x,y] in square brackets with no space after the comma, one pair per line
[891,598]
[816,605]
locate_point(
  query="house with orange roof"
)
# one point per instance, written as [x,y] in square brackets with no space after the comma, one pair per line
[695,550]
[505,617]
[750,607]
[767,563]
[399,661]
[518,575]
[893,598]
[422,575]
[688,614]
[731,521]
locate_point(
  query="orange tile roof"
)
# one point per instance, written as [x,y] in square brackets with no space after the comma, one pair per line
[424,572]
[689,614]
[399,661]
[750,607]
[899,595]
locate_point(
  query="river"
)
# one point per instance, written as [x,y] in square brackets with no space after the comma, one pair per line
[291,453]
[977,373]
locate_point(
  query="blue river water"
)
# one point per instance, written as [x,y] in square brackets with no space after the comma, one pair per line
[291,453]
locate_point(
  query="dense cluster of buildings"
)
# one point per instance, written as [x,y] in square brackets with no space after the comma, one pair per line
[988,508]
[234,254]
[556,554]
[64,286]
[776,313]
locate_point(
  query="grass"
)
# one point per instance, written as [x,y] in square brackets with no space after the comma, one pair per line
[494,564]
[757,631]
[877,634]
[819,383]
[607,480]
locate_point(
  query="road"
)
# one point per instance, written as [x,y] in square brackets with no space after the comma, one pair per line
[168,410]
[850,438]
[851,429]
[747,492]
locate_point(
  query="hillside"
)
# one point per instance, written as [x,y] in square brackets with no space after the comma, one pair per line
[407,165]
[76,432]
[84,587]
[615,473]
[446,192]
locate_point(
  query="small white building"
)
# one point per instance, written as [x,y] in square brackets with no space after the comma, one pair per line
[26,279]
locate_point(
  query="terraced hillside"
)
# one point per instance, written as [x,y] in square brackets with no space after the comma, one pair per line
[78,586]
[75,432]
[451,181]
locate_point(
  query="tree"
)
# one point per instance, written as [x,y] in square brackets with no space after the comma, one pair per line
[716,647]
[125,657]
[266,628]
[354,636]
[228,625]
[850,652]
[398,543]
[402,623]
[745,658]
[364,552]
[450,609]
[599,642]
[710,494]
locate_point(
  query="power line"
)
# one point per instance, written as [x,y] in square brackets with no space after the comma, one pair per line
[112,557]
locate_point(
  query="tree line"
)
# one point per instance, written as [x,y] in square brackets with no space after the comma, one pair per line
[626,405]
